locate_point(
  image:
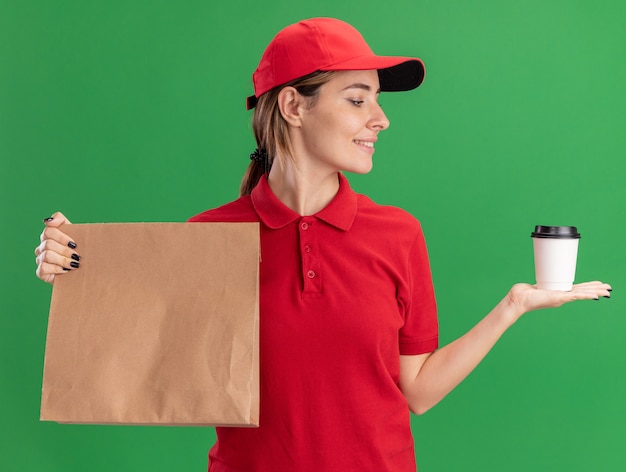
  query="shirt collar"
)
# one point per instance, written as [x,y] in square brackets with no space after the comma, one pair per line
[340,212]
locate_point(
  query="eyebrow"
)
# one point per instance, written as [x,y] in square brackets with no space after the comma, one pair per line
[359,85]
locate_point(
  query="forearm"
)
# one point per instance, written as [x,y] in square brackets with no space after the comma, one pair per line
[447,367]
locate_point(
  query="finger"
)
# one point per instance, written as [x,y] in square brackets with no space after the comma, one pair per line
[48,272]
[593,285]
[56,220]
[57,235]
[592,290]
[52,245]
[64,259]
[54,258]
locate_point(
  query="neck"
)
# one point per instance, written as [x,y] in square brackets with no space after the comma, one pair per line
[304,192]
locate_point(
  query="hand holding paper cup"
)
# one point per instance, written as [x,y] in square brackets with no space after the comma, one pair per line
[556,251]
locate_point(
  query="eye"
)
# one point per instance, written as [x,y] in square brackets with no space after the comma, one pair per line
[356,103]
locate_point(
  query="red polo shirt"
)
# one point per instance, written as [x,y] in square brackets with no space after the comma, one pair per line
[342,294]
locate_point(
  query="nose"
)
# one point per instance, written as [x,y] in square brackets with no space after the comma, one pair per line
[378,121]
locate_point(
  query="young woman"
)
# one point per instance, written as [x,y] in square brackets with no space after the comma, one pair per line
[349,339]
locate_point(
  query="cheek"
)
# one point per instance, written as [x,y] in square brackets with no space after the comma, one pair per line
[332,129]
[345,126]
[351,125]
[323,129]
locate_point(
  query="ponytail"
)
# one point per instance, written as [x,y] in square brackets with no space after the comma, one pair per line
[253,174]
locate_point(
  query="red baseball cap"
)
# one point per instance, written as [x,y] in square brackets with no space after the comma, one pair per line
[328,44]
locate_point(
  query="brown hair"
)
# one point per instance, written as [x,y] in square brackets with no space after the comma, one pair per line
[270,129]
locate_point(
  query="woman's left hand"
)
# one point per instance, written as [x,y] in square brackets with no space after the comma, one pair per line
[528,297]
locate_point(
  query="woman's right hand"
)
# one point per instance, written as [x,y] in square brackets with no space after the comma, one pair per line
[57,252]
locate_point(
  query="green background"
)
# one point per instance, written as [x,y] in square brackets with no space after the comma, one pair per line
[116,111]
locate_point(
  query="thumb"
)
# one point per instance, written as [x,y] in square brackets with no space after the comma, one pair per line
[56,220]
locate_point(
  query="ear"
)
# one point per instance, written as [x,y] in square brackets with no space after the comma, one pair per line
[289,104]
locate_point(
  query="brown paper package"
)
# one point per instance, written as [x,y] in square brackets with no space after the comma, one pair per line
[159,325]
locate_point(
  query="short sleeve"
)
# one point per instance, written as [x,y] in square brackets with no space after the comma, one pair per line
[420,333]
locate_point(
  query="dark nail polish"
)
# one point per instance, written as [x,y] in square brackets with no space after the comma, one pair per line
[46,220]
[596,299]
[66,269]
[76,257]
[75,265]
[610,290]
[72,244]
[605,296]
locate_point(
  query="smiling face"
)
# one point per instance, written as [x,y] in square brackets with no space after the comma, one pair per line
[339,130]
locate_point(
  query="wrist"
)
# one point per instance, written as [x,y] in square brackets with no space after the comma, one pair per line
[511,307]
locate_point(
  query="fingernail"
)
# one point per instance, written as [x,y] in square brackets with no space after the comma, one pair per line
[46,220]
[76,257]
[596,299]
[605,296]
[610,289]
[66,269]
[75,265]
[72,244]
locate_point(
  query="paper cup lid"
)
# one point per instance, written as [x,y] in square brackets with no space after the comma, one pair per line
[555,232]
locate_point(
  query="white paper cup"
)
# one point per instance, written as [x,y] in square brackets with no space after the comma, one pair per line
[556,251]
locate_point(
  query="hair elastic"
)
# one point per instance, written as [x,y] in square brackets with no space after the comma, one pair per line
[259,156]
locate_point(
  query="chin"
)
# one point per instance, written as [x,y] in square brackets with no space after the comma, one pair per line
[365,168]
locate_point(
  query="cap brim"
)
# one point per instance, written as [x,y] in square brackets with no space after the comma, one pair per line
[396,74]
[404,76]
